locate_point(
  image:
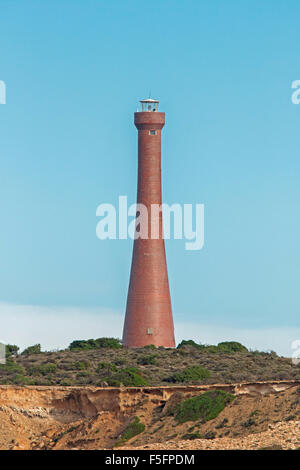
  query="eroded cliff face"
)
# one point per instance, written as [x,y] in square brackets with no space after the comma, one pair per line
[93,418]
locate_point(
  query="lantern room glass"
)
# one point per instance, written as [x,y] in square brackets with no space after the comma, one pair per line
[149,106]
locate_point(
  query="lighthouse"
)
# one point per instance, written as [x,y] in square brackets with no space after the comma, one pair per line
[148,318]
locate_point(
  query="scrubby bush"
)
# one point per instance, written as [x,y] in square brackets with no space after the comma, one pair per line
[67,382]
[35,349]
[106,367]
[79,344]
[112,343]
[120,362]
[202,347]
[42,369]
[133,429]
[19,379]
[204,407]
[225,346]
[80,365]
[11,350]
[188,342]
[231,347]
[99,343]
[150,359]
[10,367]
[189,374]
[83,374]
[129,377]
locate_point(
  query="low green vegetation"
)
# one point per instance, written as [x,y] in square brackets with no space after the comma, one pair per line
[84,373]
[99,343]
[80,365]
[133,429]
[231,347]
[150,359]
[226,346]
[19,379]
[129,377]
[11,350]
[189,375]
[42,369]
[203,407]
[35,349]
[107,367]
[10,367]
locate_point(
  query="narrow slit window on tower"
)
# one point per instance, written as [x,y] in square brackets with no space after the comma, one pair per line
[152,132]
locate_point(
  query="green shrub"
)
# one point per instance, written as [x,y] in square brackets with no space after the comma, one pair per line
[67,382]
[42,369]
[82,344]
[201,347]
[133,429]
[150,359]
[106,367]
[225,346]
[205,407]
[231,347]
[35,349]
[99,343]
[120,362]
[189,374]
[188,342]
[11,350]
[19,379]
[80,365]
[11,367]
[112,343]
[84,373]
[129,377]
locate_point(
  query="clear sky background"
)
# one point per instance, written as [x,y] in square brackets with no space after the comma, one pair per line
[74,72]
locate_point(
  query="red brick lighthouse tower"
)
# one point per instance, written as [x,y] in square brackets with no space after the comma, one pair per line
[149,313]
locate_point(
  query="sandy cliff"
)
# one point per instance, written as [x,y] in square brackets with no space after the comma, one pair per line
[93,418]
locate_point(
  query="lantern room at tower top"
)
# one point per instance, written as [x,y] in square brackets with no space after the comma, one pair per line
[149,105]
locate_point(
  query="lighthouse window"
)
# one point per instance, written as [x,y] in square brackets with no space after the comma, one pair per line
[152,132]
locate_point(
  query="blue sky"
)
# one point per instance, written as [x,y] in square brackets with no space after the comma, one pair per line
[223,71]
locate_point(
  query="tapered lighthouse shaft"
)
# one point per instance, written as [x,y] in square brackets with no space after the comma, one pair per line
[148,313]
